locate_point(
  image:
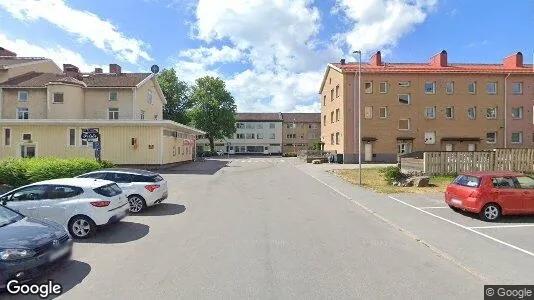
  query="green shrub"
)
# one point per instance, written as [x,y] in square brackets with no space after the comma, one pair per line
[22,171]
[106,164]
[289,154]
[391,174]
[210,153]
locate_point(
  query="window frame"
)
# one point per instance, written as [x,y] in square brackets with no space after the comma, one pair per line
[54,101]
[488,84]
[384,84]
[337,115]
[433,113]
[409,99]
[474,85]
[403,129]
[488,141]
[517,84]
[116,95]
[520,135]
[520,109]
[113,110]
[70,137]
[25,111]
[404,84]
[23,92]
[149,97]
[368,90]
[474,113]
[5,136]
[368,112]
[433,91]
[385,109]
[495,114]
[451,108]
[451,85]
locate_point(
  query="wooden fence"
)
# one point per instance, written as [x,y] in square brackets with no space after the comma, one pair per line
[517,160]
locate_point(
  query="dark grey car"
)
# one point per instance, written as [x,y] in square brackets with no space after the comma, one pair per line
[30,247]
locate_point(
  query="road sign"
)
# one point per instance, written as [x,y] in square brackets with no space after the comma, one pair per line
[90,134]
[154,69]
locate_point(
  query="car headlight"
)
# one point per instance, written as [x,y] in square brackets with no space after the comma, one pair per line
[14,254]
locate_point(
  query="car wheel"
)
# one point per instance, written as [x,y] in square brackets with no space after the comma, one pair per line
[137,203]
[81,227]
[490,212]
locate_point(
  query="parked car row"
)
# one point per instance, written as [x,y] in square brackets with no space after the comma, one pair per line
[39,221]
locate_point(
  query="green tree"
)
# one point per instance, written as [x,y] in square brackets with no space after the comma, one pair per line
[213,109]
[177,94]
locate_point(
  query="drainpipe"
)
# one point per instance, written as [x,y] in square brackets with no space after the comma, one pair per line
[505,107]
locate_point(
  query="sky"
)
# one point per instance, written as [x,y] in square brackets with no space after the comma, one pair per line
[272,54]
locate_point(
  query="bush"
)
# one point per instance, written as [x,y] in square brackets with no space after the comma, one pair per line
[105,164]
[210,153]
[391,174]
[22,171]
[289,154]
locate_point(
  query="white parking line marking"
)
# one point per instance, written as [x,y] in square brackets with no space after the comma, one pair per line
[503,226]
[432,207]
[466,228]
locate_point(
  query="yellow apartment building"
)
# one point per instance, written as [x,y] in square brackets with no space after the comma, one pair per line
[300,131]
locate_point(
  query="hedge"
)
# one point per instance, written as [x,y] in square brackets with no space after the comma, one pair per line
[17,172]
[290,154]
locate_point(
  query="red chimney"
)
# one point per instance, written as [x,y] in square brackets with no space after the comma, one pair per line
[5,52]
[439,60]
[71,70]
[513,61]
[376,59]
[98,70]
[114,68]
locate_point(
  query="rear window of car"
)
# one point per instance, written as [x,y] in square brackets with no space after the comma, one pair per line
[466,180]
[108,190]
[147,178]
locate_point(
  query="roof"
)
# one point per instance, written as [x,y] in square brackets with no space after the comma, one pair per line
[259,117]
[492,173]
[8,61]
[302,117]
[427,68]
[79,182]
[38,79]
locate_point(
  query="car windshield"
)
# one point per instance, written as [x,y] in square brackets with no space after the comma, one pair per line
[7,216]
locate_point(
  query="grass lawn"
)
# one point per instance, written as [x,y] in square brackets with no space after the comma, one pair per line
[372,179]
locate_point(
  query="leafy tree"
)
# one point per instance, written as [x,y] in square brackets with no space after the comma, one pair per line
[213,109]
[177,94]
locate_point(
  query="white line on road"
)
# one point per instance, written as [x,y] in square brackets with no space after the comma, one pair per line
[466,228]
[432,207]
[503,226]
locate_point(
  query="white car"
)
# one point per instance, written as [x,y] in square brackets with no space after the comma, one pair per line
[79,204]
[142,188]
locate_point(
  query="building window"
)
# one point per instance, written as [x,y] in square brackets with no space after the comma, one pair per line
[491,137]
[404,124]
[259,126]
[368,112]
[517,112]
[449,87]
[23,96]
[259,136]
[517,137]
[26,136]
[324,120]
[57,98]
[491,88]
[250,136]
[430,112]
[240,125]
[23,113]
[491,113]
[368,87]
[324,100]
[249,126]
[273,136]
[291,125]
[331,117]
[337,138]
[332,138]
[291,136]
[472,87]
[240,136]
[113,113]
[383,87]
[383,112]
[113,96]
[472,113]
[517,88]
[332,95]
[337,91]
[271,125]
[449,112]
[142,114]
[337,114]
[7,136]
[404,147]
[404,99]
[430,87]
[404,84]
[72,137]
[149,97]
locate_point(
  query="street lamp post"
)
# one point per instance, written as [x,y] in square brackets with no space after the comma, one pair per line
[359,52]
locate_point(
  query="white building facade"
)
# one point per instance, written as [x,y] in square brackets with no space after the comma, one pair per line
[256,133]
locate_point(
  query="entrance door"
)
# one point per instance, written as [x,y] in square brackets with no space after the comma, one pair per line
[368,152]
[27,151]
[471,147]
[448,147]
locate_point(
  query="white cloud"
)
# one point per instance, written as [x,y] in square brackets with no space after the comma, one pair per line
[279,41]
[83,24]
[380,24]
[189,71]
[58,54]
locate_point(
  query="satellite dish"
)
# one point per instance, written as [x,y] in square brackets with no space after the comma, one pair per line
[154,69]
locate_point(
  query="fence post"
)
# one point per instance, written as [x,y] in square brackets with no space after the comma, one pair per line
[425,154]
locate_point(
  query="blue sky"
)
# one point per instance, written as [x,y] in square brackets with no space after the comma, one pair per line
[272,54]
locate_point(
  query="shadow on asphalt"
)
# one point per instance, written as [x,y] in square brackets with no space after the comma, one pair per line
[118,233]
[68,275]
[209,166]
[163,209]
[502,220]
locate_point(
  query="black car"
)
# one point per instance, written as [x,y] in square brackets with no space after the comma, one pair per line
[30,247]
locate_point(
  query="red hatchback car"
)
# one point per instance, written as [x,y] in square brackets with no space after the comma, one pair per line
[492,194]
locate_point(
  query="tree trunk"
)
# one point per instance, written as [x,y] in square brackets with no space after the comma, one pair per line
[212,144]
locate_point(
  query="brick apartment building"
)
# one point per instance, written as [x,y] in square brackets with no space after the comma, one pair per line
[434,106]
[300,131]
